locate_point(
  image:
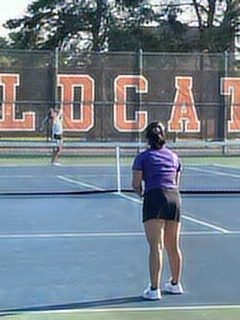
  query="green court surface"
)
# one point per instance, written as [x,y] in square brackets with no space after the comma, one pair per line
[191,313]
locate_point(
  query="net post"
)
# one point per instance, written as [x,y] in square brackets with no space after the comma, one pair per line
[119,187]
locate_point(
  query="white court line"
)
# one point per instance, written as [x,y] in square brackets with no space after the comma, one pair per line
[129,309]
[205,224]
[225,166]
[218,173]
[79,183]
[71,235]
[139,201]
[76,235]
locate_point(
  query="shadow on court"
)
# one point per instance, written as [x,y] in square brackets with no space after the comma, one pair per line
[80,305]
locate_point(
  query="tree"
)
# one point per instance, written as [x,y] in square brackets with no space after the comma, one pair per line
[98,25]
[59,23]
[4,43]
[186,26]
[149,28]
[76,24]
[217,21]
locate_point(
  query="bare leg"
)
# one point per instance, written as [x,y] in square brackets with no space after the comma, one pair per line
[55,154]
[171,239]
[154,230]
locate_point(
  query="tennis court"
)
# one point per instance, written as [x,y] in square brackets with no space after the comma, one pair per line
[72,245]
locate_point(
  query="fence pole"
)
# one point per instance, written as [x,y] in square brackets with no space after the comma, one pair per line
[140,72]
[225,118]
[56,68]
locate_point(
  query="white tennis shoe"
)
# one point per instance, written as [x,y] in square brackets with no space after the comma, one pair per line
[173,288]
[57,164]
[149,294]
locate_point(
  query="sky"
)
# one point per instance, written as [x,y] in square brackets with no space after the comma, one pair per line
[10,9]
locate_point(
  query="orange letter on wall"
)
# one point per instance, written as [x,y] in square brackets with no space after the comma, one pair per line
[231,87]
[184,108]
[86,83]
[121,123]
[9,82]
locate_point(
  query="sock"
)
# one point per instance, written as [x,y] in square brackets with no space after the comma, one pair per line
[153,288]
[173,283]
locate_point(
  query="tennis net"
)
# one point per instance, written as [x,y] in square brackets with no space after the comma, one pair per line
[26,169]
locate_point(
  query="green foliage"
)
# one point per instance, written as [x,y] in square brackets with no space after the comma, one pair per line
[4,43]
[218,31]
[161,39]
[122,25]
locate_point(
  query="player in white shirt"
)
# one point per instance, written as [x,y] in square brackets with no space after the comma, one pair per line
[57,136]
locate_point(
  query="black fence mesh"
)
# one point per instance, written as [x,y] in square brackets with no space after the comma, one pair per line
[112,96]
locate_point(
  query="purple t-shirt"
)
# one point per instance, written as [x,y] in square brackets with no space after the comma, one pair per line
[159,168]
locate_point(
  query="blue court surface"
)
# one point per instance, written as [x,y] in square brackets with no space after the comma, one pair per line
[89,251]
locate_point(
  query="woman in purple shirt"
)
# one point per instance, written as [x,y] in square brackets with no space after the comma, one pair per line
[158,169]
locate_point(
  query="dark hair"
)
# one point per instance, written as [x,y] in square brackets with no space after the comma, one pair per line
[155,134]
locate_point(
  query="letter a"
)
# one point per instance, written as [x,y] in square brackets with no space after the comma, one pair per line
[184,110]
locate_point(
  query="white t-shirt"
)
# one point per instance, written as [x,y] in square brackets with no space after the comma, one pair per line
[57,127]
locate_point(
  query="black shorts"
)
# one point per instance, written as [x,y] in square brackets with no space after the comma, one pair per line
[57,136]
[162,204]
[58,139]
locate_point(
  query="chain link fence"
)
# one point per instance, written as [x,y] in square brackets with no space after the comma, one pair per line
[112,96]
